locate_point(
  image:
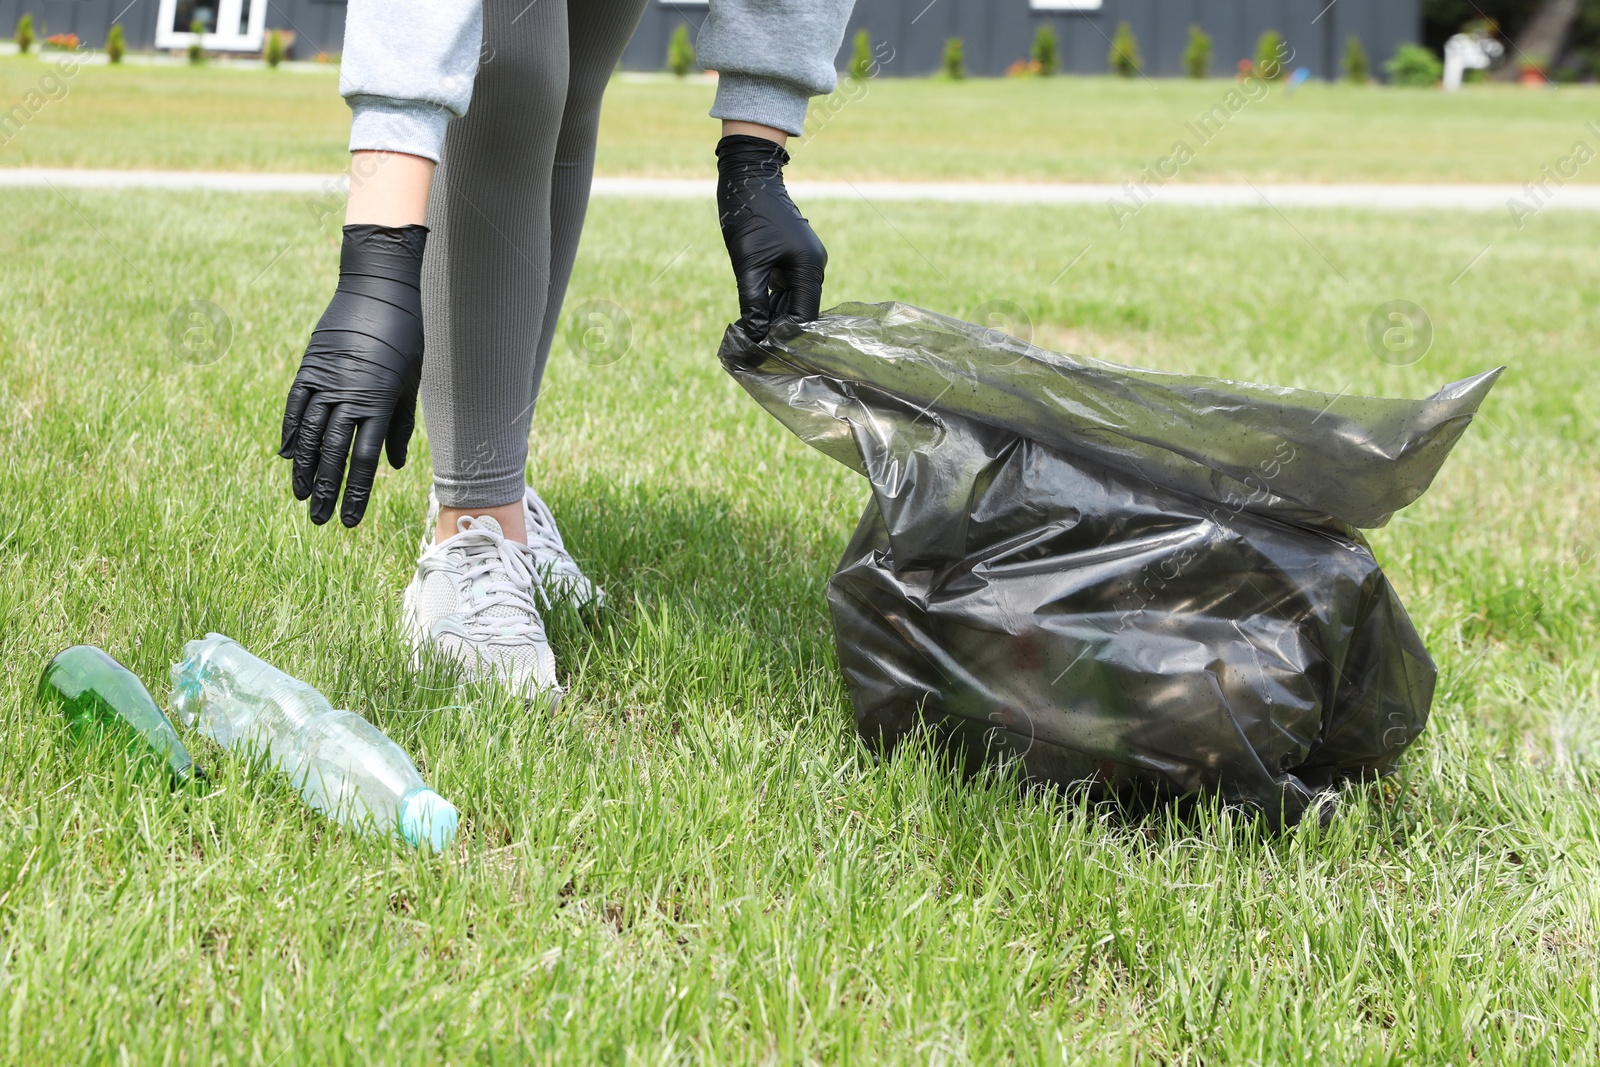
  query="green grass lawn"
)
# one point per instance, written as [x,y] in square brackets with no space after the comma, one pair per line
[1056,129]
[693,860]
[173,118]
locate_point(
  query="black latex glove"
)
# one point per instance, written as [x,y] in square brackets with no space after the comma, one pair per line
[357,385]
[778,260]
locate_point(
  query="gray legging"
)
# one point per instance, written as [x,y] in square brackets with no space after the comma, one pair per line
[507,208]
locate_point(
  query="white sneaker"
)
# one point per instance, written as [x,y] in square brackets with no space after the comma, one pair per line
[472,599]
[556,574]
[554,568]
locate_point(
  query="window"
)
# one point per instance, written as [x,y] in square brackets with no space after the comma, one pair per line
[226,25]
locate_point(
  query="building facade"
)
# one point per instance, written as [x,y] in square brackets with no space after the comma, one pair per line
[317,26]
[997,33]
[994,33]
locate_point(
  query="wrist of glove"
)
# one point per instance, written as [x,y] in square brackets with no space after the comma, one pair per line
[778,260]
[356,391]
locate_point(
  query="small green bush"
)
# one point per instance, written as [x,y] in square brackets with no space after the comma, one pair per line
[1046,51]
[24,34]
[1357,68]
[953,64]
[1414,66]
[1197,54]
[1124,58]
[196,53]
[861,56]
[680,51]
[274,49]
[116,44]
[1270,53]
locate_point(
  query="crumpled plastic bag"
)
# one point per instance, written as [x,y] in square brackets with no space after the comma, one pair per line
[1150,583]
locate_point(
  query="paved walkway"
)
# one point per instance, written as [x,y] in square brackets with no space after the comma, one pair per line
[1190,194]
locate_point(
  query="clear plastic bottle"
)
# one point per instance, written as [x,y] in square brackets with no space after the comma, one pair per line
[343,765]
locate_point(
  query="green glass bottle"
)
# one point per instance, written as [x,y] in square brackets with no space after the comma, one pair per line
[98,694]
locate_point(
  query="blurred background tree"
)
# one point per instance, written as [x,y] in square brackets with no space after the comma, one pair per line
[1442,19]
[680,52]
[1563,33]
[861,56]
[1197,56]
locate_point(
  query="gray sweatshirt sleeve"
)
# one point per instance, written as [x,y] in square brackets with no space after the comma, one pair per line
[771,57]
[407,70]
[408,65]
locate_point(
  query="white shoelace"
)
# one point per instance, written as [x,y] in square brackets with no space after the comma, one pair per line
[544,540]
[486,553]
[554,569]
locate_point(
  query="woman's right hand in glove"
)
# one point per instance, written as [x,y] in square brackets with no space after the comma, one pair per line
[356,391]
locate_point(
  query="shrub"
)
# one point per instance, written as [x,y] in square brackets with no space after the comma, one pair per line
[1197,54]
[1046,52]
[196,54]
[680,51]
[861,56]
[1414,66]
[24,34]
[1270,53]
[61,42]
[116,44]
[274,50]
[953,64]
[1357,69]
[1124,58]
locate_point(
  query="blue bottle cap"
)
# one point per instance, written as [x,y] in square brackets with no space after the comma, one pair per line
[427,816]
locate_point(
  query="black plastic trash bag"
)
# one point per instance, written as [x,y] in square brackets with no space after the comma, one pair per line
[1151,583]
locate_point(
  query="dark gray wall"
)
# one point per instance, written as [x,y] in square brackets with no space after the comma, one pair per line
[997,32]
[648,48]
[318,24]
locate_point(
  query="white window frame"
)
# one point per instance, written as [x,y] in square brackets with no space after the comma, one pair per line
[1065,5]
[227,15]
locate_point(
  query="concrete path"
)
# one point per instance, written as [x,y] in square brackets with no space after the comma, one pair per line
[1188,194]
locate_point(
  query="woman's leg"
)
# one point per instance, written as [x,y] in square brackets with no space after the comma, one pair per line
[486,277]
[597,30]
[506,210]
